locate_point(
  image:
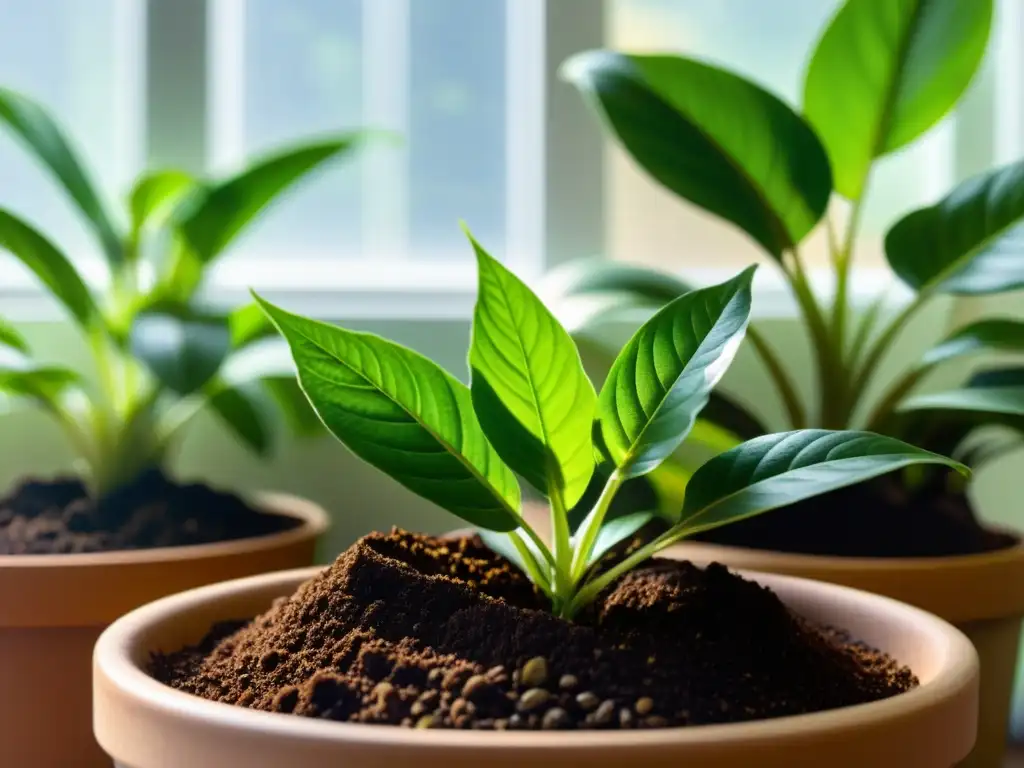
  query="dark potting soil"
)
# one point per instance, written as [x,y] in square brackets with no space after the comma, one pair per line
[59,517]
[876,519]
[423,632]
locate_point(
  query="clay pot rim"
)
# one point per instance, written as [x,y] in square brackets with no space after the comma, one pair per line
[120,684]
[313,522]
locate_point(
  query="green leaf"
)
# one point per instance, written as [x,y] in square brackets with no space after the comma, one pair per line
[249,324]
[154,196]
[213,217]
[714,139]
[1008,401]
[242,415]
[12,338]
[45,384]
[664,376]
[404,415]
[298,414]
[534,401]
[34,126]
[51,267]
[885,72]
[781,469]
[616,531]
[970,243]
[183,348]
[997,334]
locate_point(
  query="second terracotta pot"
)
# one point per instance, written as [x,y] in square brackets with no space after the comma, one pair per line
[54,607]
[983,595]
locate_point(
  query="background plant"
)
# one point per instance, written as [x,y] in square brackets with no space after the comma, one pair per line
[531,412]
[160,356]
[882,74]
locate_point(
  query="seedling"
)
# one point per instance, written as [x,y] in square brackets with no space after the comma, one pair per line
[159,357]
[531,412]
[881,75]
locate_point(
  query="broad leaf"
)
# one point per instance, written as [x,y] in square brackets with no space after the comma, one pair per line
[404,415]
[714,139]
[617,531]
[183,349]
[242,415]
[664,376]
[214,216]
[45,384]
[996,334]
[534,401]
[1006,401]
[970,243]
[11,338]
[886,71]
[34,126]
[155,195]
[51,267]
[782,469]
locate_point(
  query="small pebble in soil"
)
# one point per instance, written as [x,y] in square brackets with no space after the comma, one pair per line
[568,682]
[555,718]
[644,705]
[535,698]
[588,701]
[535,672]
[605,713]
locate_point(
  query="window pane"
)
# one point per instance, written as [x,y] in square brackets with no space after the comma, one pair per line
[770,44]
[68,55]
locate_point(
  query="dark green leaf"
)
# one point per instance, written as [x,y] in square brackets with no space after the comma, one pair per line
[184,349]
[404,415]
[1007,401]
[155,195]
[51,267]
[714,139]
[31,123]
[617,531]
[781,469]
[997,334]
[886,71]
[216,214]
[664,376]
[241,413]
[970,243]
[298,414]
[533,399]
[10,337]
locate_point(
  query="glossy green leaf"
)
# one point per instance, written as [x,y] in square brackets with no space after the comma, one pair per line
[10,337]
[616,531]
[404,415]
[51,267]
[241,413]
[534,401]
[214,216]
[994,334]
[1008,401]
[714,139]
[31,123]
[886,71]
[665,375]
[182,348]
[154,196]
[298,414]
[970,243]
[781,469]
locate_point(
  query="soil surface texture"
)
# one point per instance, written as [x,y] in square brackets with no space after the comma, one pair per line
[431,633]
[59,517]
[876,519]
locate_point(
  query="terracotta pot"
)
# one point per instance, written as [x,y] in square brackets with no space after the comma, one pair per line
[983,595]
[144,724]
[54,607]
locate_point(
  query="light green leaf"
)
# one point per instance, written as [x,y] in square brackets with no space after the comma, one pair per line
[241,413]
[51,267]
[10,337]
[885,72]
[154,196]
[664,376]
[533,399]
[37,129]
[214,216]
[404,415]
[44,384]
[616,531]
[183,348]
[970,243]
[714,139]
[781,469]
[996,334]
[249,324]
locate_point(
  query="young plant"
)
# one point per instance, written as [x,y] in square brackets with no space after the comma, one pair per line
[531,412]
[159,356]
[882,74]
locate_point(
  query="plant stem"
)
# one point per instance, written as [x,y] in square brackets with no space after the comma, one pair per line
[885,407]
[532,566]
[591,526]
[783,382]
[561,537]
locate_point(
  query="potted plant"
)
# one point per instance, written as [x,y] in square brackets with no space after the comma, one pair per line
[77,552]
[881,75]
[439,633]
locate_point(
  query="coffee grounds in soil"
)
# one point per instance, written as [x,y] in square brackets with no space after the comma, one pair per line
[424,632]
[59,517]
[876,519]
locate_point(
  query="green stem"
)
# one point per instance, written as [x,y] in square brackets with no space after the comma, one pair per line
[532,566]
[783,382]
[562,539]
[591,526]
